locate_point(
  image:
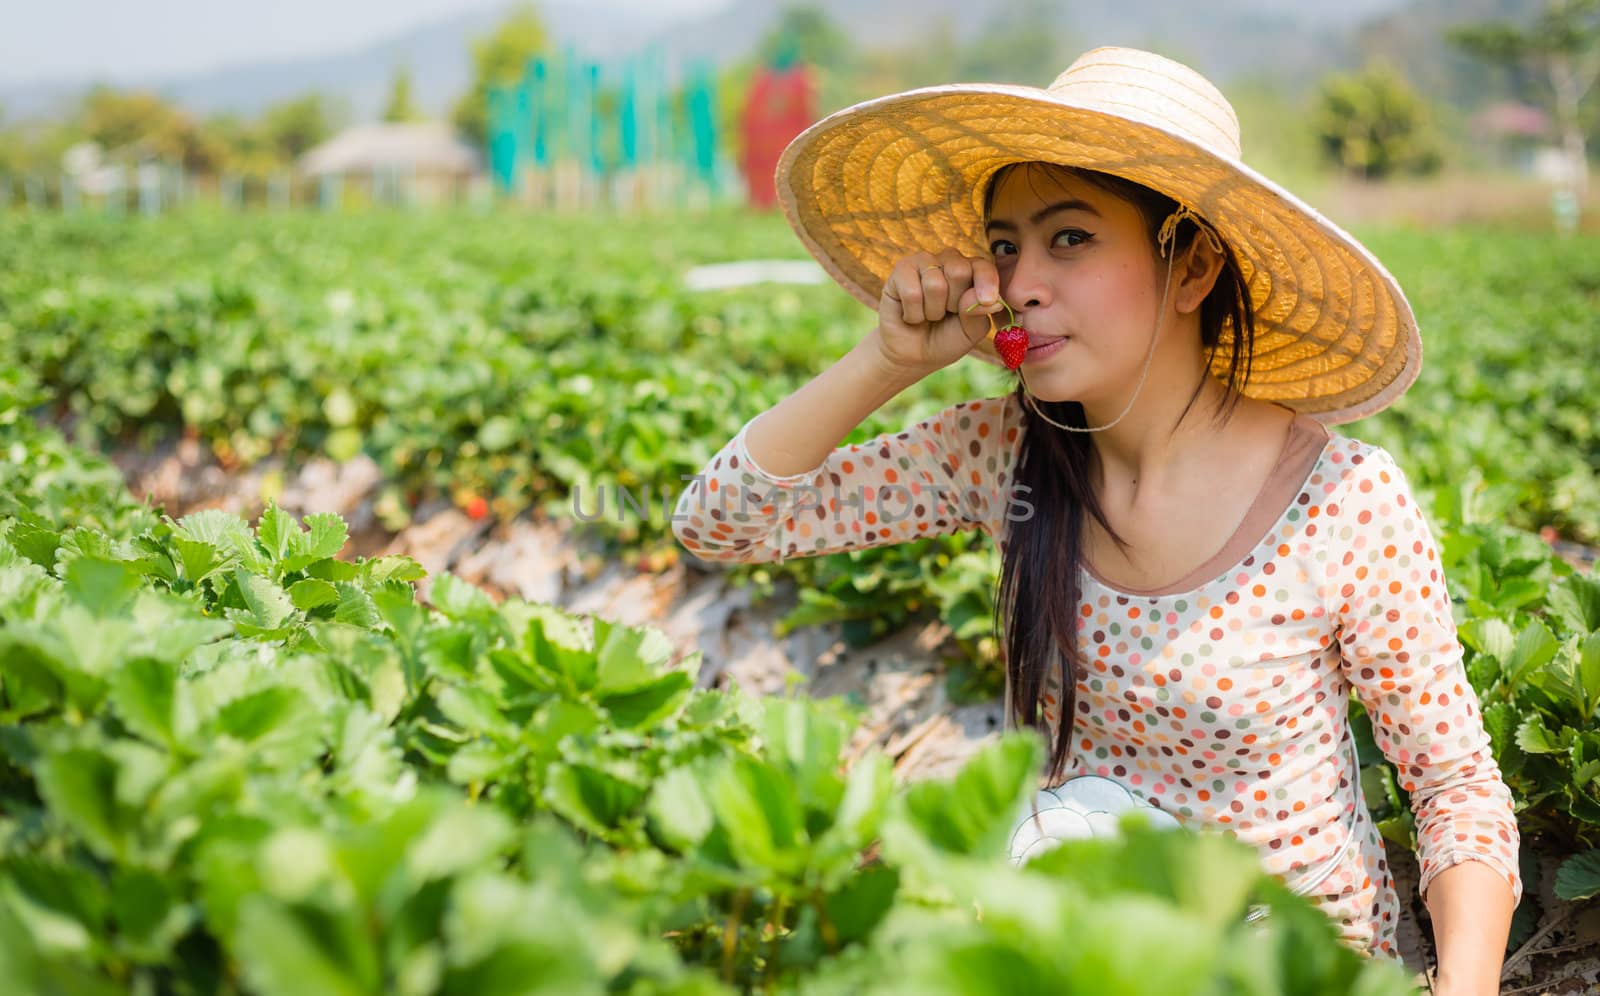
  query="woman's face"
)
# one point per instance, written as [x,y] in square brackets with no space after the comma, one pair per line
[1075,263]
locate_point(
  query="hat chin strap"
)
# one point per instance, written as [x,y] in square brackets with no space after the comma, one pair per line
[1168,231]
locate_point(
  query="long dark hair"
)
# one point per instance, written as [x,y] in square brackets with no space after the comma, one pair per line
[1037,594]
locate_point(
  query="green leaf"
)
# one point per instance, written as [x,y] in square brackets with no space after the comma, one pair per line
[104,587]
[396,568]
[628,656]
[223,530]
[1579,876]
[1589,673]
[475,711]
[356,607]
[312,593]
[646,705]
[678,810]
[589,798]
[267,606]
[1575,600]
[758,810]
[868,789]
[150,916]
[199,559]
[285,951]
[555,645]
[1489,636]
[972,814]
[461,838]
[1535,647]
[64,901]
[497,433]
[79,785]
[1534,738]
[143,692]
[37,544]
[460,599]
[865,899]
[328,535]
[253,716]
[277,532]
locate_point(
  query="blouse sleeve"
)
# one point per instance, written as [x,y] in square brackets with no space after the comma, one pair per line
[1385,591]
[942,475]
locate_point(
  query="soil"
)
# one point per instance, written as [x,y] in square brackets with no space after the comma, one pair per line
[900,681]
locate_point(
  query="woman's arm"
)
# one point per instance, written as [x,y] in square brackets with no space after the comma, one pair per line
[797,434]
[1471,907]
[1384,588]
[946,473]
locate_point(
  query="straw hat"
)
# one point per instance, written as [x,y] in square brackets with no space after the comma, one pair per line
[1335,337]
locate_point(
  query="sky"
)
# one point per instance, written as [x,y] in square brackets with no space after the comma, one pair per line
[49,40]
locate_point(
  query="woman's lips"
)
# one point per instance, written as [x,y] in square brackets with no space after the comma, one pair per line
[1037,341]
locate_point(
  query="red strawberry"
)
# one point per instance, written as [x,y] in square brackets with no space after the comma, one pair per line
[477,507]
[1011,343]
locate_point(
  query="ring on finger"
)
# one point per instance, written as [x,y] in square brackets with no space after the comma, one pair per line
[935,266]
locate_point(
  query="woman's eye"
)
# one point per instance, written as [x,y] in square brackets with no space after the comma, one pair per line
[1000,246]
[1081,236]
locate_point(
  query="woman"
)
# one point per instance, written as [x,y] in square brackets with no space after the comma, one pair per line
[1196,572]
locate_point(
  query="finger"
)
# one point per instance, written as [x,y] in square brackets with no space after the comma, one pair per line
[908,291]
[986,280]
[958,277]
[975,314]
[935,292]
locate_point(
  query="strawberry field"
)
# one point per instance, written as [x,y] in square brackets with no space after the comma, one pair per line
[239,759]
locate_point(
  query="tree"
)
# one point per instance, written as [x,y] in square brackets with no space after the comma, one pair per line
[1374,125]
[1563,43]
[247,148]
[499,59]
[296,125]
[1022,44]
[401,106]
[141,122]
[805,33]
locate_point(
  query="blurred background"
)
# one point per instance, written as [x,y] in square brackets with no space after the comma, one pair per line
[1426,110]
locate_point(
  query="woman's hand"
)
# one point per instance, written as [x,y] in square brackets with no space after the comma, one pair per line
[935,309]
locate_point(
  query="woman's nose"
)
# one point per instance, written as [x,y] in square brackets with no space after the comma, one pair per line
[1025,286]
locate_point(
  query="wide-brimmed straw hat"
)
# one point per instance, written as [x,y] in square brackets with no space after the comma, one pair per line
[1335,337]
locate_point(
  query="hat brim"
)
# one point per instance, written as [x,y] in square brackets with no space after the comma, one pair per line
[1335,337]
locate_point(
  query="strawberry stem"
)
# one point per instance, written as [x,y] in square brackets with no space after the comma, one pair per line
[992,330]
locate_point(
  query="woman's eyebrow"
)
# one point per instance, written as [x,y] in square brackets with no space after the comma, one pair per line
[1045,212]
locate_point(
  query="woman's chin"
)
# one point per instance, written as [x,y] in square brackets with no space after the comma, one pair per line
[1044,387]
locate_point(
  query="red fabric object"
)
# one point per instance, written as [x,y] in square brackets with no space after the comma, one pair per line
[781,104]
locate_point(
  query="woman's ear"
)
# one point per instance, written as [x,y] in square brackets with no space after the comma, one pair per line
[1197,274]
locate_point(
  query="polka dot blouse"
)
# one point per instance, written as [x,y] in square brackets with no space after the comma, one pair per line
[1222,699]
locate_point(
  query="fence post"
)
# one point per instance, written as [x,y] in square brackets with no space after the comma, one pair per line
[117,197]
[148,176]
[331,192]
[275,196]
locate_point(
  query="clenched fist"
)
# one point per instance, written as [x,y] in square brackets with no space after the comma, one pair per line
[935,309]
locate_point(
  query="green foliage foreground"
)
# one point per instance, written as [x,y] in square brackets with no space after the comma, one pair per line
[233,763]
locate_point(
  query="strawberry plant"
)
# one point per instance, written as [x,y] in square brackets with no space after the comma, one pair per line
[236,763]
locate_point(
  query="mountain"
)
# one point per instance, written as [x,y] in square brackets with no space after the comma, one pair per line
[1289,41]
[438,54]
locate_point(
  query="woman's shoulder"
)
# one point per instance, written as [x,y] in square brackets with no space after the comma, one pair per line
[1351,464]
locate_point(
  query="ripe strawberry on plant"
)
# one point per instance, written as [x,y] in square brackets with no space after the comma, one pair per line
[476,507]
